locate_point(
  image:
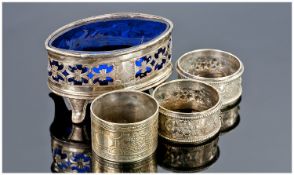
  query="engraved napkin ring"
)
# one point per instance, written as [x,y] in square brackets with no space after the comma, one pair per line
[124,125]
[189,111]
[218,68]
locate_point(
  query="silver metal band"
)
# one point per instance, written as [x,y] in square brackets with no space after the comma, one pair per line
[200,122]
[124,125]
[218,68]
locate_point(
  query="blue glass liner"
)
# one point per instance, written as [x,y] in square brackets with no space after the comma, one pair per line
[109,35]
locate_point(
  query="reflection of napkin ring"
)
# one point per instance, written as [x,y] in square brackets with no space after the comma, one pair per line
[189,110]
[124,125]
[220,69]
[187,157]
[69,157]
[109,52]
[146,165]
[230,117]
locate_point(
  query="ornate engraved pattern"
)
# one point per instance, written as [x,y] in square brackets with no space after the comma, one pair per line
[205,65]
[183,95]
[189,111]
[229,90]
[189,129]
[126,143]
[220,69]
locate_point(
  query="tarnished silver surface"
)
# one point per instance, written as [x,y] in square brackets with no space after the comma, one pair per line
[146,165]
[78,109]
[187,157]
[124,125]
[218,68]
[122,62]
[189,110]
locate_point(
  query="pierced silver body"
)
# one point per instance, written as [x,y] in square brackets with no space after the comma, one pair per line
[122,61]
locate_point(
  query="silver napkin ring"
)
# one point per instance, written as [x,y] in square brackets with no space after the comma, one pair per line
[124,125]
[189,110]
[218,68]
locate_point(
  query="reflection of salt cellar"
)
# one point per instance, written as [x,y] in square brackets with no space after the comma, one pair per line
[92,56]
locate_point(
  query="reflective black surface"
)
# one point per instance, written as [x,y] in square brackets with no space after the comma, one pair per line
[70,143]
[258,33]
[71,149]
[187,157]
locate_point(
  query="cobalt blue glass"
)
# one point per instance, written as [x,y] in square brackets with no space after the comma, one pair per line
[109,35]
[109,52]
